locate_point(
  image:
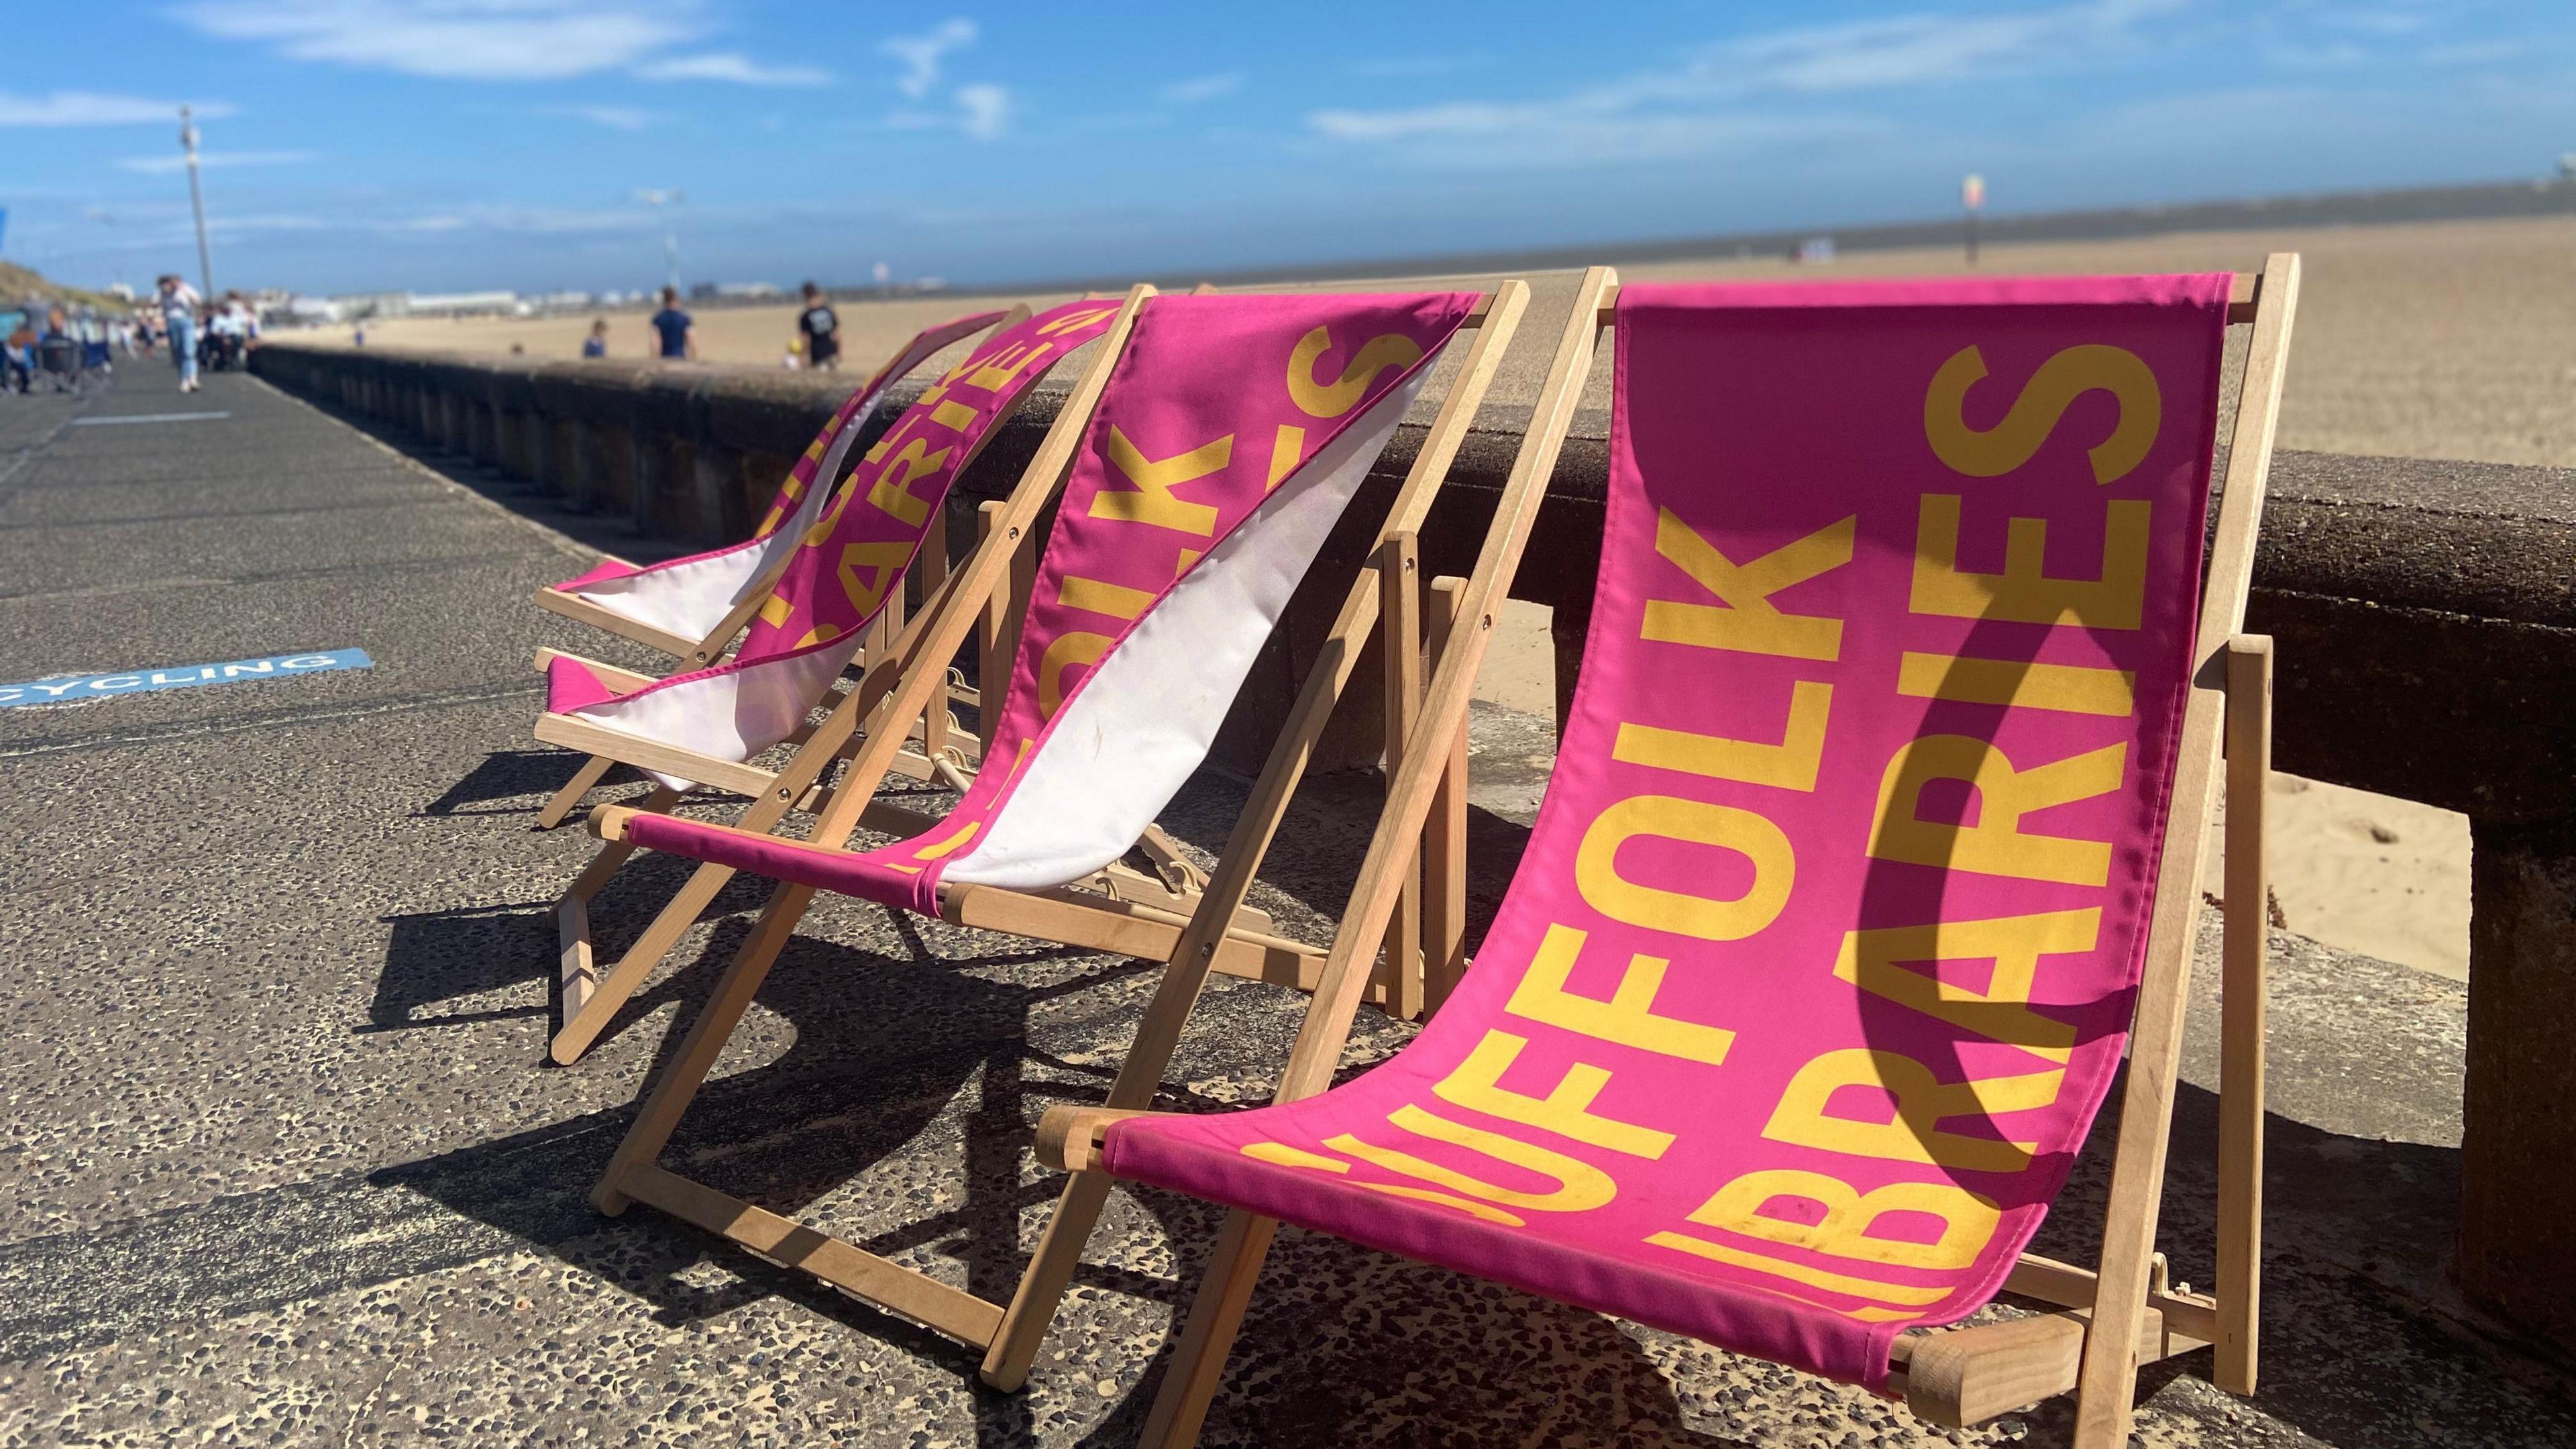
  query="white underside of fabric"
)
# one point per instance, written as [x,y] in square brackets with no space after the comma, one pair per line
[1144,718]
[739,712]
[733,714]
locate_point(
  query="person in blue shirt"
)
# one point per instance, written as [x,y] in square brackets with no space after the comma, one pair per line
[671,325]
[596,344]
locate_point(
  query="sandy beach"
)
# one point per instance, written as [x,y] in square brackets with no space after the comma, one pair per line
[2433,340]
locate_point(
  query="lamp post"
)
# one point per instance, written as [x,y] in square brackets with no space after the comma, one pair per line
[654,196]
[197,202]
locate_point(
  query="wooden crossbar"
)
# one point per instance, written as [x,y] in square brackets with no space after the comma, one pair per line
[790,1244]
[2241,295]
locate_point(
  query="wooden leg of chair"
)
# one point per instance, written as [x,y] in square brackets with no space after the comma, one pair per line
[568,799]
[1158,1037]
[2241,1024]
[576,975]
[679,1082]
[2109,1380]
[992,665]
[1050,1272]
[1444,839]
[1216,1315]
[1400,635]
[608,994]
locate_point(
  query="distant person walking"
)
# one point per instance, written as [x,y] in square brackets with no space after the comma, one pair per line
[179,320]
[596,344]
[820,328]
[671,326]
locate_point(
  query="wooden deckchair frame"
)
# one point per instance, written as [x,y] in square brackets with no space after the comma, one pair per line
[1010,1335]
[1950,1376]
[930,565]
[589,1000]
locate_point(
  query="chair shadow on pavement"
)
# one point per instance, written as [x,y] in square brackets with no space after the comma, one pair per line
[861,1130]
[521,778]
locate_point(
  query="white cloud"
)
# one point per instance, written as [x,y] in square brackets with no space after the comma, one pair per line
[735,68]
[90,108]
[921,54]
[985,111]
[456,39]
[1202,88]
[615,118]
[163,165]
[1700,105]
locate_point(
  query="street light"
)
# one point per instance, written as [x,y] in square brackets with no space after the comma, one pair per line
[655,196]
[197,201]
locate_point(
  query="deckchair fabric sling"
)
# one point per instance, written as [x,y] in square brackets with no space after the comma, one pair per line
[683,599]
[1830,931]
[1184,529]
[1233,434]
[844,568]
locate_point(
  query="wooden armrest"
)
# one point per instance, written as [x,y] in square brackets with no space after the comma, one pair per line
[1069,1137]
[607,673]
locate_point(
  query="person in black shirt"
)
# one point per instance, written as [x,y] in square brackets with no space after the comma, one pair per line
[671,326]
[820,326]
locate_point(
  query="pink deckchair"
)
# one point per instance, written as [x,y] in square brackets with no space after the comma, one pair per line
[1232,437]
[1874,837]
[842,577]
[694,607]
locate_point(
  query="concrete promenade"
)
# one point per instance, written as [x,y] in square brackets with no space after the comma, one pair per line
[279,1164]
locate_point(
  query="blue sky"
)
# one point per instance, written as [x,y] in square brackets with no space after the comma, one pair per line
[433,144]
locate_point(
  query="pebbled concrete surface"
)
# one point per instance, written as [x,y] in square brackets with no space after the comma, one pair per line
[279,1165]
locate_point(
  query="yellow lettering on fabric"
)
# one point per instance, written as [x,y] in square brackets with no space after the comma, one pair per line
[1922,1105]
[1285,449]
[902,428]
[955,842]
[2002,1011]
[1831,1282]
[1152,500]
[2018,684]
[1282,1155]
[1748,624]
[1069,649]
[820,634]
[1097,596]
[1332,399]
[1968,1222]
[1996,844]
[1580,1186]
[955,416]
[1662,817]
[775,611]
[2036,410]
[884,563]
[999,369]
[1790,765]
[937,390]
[1071,320]
[1566,1110]
[1627,1018]
[890,490]
[822,529]
[2024,593]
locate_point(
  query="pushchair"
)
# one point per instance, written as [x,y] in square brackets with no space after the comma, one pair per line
[59,359]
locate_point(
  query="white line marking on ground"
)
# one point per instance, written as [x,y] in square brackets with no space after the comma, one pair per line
[146,418]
